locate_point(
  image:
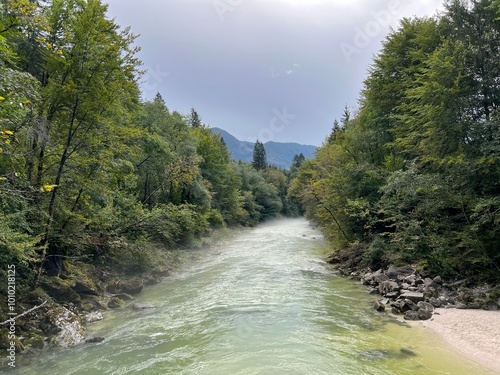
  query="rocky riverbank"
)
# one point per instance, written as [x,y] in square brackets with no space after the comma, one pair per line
[68,299]
[416,294]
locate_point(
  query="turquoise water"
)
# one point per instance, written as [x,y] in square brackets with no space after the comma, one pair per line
[261,301]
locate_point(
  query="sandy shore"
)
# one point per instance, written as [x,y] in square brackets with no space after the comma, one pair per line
[473,333]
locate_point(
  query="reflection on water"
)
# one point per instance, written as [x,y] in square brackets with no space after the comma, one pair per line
[261,302]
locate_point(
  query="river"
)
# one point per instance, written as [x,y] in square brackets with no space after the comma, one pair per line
[261,301]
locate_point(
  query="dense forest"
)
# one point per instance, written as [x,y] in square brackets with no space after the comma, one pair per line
[413,175]
[89,171]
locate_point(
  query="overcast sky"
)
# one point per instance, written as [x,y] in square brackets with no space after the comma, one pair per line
[278,70]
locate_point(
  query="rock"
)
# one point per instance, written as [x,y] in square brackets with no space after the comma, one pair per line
[83,287]
[393,272]
[392,295]
[124,296]
[408,305]
[428,282]
[380,278]
[405,286]
[418,282]
[413,296]
[438,280]
[407,352]
[424,314]
[115,303]
[67,326]
[130,286]
[373,291]
[491,306]
[411,315]
[377,305]
[460,305]
[388,286]
[435,302]
[94,340]
[395,311]
[93,317]
[143,306]
[410,279]
[425,306]
[61,290]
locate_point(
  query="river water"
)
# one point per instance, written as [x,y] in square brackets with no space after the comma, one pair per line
[259,302]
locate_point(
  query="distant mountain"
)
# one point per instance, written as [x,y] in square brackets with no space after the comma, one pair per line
[278,154]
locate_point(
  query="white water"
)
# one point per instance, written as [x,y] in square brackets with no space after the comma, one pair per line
[261,302]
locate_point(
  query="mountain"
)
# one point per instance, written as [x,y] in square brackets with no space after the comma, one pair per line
[278,154]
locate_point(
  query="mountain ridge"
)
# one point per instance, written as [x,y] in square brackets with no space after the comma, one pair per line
[279,154]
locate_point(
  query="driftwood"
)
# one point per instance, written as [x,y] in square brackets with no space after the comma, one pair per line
[24,313]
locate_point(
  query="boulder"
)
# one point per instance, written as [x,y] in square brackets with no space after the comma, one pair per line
[388,286]
[377,305]
[408,305]
[115,303]
[413,296]
[435,302]
[424,314]
[85,287]
[393,272]
[425,306]
[67,326]
[61,290]
[130,286]
[143,306]
[93,317]
[124,296]
[373,291]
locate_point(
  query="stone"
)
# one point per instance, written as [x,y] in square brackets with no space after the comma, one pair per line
[393,272]
[413,296]
[94,340]
[67,326]
[124,296]
[388,286]
[424,314]
[377,305]
[392,295]
[115,303]
[438,280]
[380,278]
[395,310]
[405,286]
[373,291]
[130,286]
[82,287]
[425,306]
[435,302]
[61,290]
[143,306]
[93,317]
[408,352]
[410,279]
[408,305]
[411,315]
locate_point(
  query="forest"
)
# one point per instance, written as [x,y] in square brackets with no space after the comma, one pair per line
[412,176]
[92,172]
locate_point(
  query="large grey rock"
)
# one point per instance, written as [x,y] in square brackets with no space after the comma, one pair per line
[388,286]
[413,296]
[393,272]
[67,325]
[425,306]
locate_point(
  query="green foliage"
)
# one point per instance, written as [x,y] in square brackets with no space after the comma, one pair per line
[259,160]
[414,176]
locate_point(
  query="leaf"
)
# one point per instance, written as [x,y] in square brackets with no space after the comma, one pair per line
[48,188]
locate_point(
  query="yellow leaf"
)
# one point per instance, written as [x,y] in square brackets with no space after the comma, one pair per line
[8,132]
[1,98]
[3,178]
[48,188]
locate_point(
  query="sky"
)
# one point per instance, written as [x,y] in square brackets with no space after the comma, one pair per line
[273,70]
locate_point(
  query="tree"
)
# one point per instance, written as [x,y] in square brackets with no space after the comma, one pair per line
[195,119]
[259,156]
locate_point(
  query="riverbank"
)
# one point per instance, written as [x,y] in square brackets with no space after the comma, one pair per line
[475,334]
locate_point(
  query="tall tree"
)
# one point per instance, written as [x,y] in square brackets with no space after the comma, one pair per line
[259,161]
[195,119]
